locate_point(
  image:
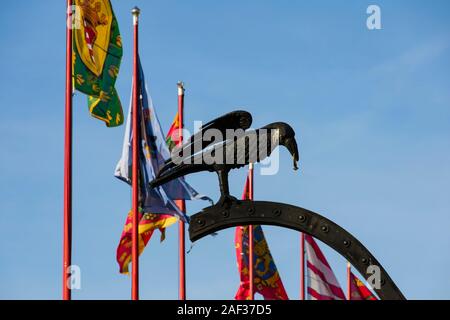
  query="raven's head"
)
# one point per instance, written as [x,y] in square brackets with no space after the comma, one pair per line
[286,137]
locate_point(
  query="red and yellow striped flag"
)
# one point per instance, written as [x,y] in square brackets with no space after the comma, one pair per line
[147,224]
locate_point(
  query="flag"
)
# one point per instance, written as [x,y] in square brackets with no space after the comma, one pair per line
[96,57]
[321,281]
[147,224]
[152,155]
[358,291]
[267,281]
[173,136]
[157,207]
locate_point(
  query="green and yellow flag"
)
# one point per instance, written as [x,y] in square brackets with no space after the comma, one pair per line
[97,52]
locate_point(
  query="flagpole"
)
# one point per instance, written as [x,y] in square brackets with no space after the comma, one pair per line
[302,266]
[67,230]
[181,205]
[135,164]
[250,238]
[349,288]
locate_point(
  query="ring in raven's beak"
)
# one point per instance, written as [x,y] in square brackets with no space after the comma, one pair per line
[291,145]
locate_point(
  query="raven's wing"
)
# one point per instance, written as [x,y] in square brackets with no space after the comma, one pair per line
[251,147]
[244,149]
[233,120]
[201,161]
[233,153]
[177,172]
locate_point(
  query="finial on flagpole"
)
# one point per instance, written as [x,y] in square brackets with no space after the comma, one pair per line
[180,85]
[135,12]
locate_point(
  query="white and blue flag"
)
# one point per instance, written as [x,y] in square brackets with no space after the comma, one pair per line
[152,155]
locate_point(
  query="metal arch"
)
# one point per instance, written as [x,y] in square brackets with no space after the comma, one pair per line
[215,218]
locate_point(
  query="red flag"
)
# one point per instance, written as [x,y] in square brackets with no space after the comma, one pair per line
[358,291]
[322,283]
[267,281]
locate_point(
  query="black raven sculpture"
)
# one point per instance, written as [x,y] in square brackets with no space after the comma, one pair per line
[245,147]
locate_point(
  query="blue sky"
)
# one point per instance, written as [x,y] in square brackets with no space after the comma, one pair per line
[371,110]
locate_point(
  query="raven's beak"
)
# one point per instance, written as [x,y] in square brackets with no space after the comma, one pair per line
[291,145]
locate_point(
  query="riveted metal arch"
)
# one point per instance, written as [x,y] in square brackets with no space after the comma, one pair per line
[215,218]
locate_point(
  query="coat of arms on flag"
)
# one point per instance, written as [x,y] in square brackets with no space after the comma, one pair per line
[267,281]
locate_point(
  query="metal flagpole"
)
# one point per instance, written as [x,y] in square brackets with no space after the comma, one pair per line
[250,238]
[349,287]
[135,165]
[302,266]
[181,204]
[67,242]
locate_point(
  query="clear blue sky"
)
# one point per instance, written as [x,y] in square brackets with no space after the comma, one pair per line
[371,109]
